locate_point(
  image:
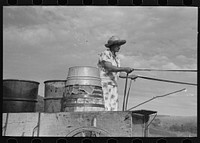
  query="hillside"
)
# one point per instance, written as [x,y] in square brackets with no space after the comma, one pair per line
[174,126]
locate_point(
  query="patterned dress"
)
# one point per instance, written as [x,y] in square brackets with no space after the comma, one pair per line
[109,80]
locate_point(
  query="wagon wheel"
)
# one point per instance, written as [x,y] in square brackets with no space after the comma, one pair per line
[88,132]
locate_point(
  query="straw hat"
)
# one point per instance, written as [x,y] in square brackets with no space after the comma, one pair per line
[114,40]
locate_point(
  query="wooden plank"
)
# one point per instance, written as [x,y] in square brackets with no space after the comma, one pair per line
[4,124]
[117,123]
[109,123]
[60,124]
[22,124]
[67,123]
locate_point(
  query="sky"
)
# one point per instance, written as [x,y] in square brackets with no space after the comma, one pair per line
[41,43]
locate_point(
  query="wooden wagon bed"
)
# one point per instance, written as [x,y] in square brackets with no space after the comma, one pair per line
[73,124]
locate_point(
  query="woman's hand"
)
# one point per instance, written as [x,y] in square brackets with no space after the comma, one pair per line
[128,69]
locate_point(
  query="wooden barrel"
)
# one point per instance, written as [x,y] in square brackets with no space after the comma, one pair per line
[83,90]
[54,92]
[19,95]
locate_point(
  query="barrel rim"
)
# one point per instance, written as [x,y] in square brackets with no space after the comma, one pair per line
[83,67]
[54,80]
[20,99]
[21,80]
[83,77]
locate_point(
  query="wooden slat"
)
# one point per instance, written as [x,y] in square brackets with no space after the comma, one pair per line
[117,123]
[61,124]
[4,125]
[21,124]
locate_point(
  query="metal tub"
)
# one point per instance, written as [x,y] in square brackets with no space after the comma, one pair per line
[19,95]
[54,92]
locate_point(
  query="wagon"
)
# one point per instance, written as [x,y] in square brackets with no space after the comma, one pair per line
[78,124]
[73,108]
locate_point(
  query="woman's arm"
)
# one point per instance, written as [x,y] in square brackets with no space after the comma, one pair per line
[112,68]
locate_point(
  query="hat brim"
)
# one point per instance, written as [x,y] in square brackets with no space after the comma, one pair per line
[119,42]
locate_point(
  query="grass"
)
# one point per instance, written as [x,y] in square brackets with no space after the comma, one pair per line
[174,126]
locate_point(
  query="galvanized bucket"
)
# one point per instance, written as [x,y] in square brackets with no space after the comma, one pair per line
[19,95]
[54,92]
[83,90]
[83,75]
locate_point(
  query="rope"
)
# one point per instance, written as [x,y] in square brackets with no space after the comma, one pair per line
[149,78]
[144,77]
[152,120]
[123,108]
[126,103]
[165,70]
[156,97]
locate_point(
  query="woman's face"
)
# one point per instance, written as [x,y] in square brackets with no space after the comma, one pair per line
[115,48]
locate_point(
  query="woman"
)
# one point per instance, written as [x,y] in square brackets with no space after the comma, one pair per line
[109,65]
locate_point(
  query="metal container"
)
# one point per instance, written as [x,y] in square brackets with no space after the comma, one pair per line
[19,95]
[83,75]
[84,91]
[54,92]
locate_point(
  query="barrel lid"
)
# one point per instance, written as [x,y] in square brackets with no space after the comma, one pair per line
[55,81]
[20,80]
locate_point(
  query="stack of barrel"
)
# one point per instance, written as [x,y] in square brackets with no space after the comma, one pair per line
[81,91]
[19,95]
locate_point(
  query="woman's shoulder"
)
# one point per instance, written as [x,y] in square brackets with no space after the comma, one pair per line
[106,53]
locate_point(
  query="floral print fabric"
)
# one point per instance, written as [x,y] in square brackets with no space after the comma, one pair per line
[110,96]
[109,80]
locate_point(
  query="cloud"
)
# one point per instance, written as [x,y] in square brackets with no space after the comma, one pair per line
[157,61]
[28,16]
[32,36]
[41,43]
